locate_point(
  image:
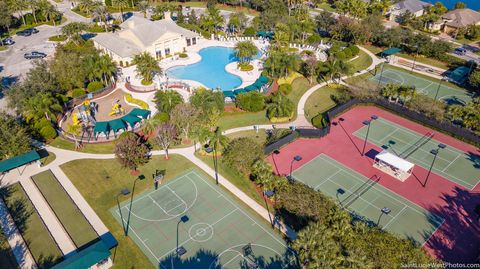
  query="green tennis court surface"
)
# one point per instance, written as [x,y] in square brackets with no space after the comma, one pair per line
[216,235]
[424,86]
[365,198]
[451,163]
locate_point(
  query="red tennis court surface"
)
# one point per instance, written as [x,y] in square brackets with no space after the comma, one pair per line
[458,239]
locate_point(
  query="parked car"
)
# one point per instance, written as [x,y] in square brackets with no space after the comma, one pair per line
[28,32]
[460,51]
[7,41]
[34,55]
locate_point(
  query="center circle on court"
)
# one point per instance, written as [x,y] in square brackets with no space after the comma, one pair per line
[201,232]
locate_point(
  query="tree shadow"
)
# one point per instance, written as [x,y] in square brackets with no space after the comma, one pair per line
[474,158]
[8,81]
[458,238]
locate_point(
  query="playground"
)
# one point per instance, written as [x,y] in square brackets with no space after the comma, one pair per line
[102,117]
[191,223]
[434,208]
[425,86]
[364,198]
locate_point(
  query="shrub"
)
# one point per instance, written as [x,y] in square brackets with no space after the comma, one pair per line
[341,97]
[94,86]
[320,121]
[280,108]
[48,132]
[163,117]
[129,99]
[183,55]
[251,101]
[145,82]
[292,50]
[241,153]
[245,67]
[355,50]
[95,28]
[249,31]
[57,38]
[285,88]
[315,38]
[78,92]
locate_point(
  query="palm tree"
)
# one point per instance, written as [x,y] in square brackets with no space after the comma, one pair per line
[143,7]
[19,6]
[215,140]
[32,4]
[245,50]
[333,68]
[48,11]
[147,67]
[42,105]
[73,30]
[150,125]
[106,67]
[88,6]
[280,106]
[101,14]
[391,91]
[121,4]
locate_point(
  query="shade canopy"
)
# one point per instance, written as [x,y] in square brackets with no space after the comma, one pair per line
[117,124]
[394,161]
[131,119]
[229,94]
[143,113]
[17,161]
[390,51]
[101,127]
[86,258]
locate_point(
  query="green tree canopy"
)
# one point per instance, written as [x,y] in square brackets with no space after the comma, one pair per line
[147,67]
[241,153]
[245,51]
[166,100]
[131,151]
[14,137]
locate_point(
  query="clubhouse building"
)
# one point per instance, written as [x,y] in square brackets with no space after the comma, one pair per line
[161,39]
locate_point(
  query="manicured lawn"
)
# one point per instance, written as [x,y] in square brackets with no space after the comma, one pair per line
[46,159]
[429,61]
[38,238]
[100,148]
[72,219]
[361,63]
[102,184]
[7,260]
[319,102]
[289,79]
[299,87]
[240,181]
[326,7]
[260,136]
[230,120]
[57,38]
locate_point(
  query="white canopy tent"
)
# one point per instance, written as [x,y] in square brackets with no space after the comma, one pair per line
[393,165]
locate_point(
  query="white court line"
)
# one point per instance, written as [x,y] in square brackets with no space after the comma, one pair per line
[395,217]
[434,231]
[155,202]
[446,167]
[183,201]
[328,179]
[232,259]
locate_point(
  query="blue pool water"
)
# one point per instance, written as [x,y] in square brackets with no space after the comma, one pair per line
[472,4]
[210,71]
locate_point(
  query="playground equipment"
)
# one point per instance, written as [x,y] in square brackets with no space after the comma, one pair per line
[86,114]
[117,109]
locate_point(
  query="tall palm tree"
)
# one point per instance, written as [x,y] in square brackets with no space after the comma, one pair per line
[216,139]
[391,91]
[150,125]
[107,68]
[101,14]
[147,67]
[19,6]
[33,4]
[42,105]
[88,6]
[120,4]
[48,11]
[73,30]
[245,50]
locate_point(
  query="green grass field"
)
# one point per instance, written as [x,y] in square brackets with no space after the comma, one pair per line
[191,212]
[102,185]
[72,219]
[361,63]
[365,198]
[319,101]
[40,243]
[230,120]
[451,163]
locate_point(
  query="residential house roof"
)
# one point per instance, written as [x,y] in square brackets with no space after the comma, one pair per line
[410,5]
[461,17]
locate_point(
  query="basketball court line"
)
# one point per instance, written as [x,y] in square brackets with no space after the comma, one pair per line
[408,131]
[225,216]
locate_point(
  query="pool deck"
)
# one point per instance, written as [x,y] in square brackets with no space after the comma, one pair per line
[193,57]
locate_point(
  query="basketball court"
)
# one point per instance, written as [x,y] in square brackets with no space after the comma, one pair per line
[368,200]
[423,86]
[190,222]
[451,163]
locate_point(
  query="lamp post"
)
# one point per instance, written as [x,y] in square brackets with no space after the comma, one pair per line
[183,219]
[141,177]
[381,75]
[384,211]
[209,150]
[120,211]
[340,191]
[414,59]
[297,158]
[368,123]
[438,89]
[434,152]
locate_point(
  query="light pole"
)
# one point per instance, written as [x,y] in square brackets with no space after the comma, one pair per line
[381,75]
[340,191]
[438,89]
[297,158]
[181,251]
[123,192]
[414,59]
[384,211]
[368,123]
[434,152]
[140,177]
[209,150]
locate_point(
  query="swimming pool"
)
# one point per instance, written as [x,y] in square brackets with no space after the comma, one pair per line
[210,71]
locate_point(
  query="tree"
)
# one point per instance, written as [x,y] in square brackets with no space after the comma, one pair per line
[131,151]
[73,30]
[216,139]
[241,153]
[468,115]
[324,21]
[101,14]
[184,116]
[5,16]
[167,135]
[88,6]
[332,69]
[48,11]
[263,175]
[391,91]
[309,68]
[460,5]
[43,105]
[106,67]
[251,101]
[143,6]
[120,4]
[147,67]
[19,6]
[14,138]
[245,50]
[279,107]
[74,129]
[474,80]
[208,100]
[237,21]
[166,100]
[380,6]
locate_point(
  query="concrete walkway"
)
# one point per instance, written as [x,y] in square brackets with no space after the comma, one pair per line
[54,226]
[15,240]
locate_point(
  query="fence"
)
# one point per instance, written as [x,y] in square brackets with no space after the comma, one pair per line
[443,126]
[307,132]
[77,100]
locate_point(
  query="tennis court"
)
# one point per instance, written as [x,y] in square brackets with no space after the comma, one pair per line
[365,198]
[451,163]
[424,86]
[193,214]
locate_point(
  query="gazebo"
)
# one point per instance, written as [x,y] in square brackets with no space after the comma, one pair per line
[393,165]
[17,161]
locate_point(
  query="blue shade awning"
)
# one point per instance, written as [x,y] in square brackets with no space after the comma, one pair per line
[117,125]
[101,127]
[240,91]
[390,51]
[142,113]
[131,119]
[230,94]
[17,161]
[86,258]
